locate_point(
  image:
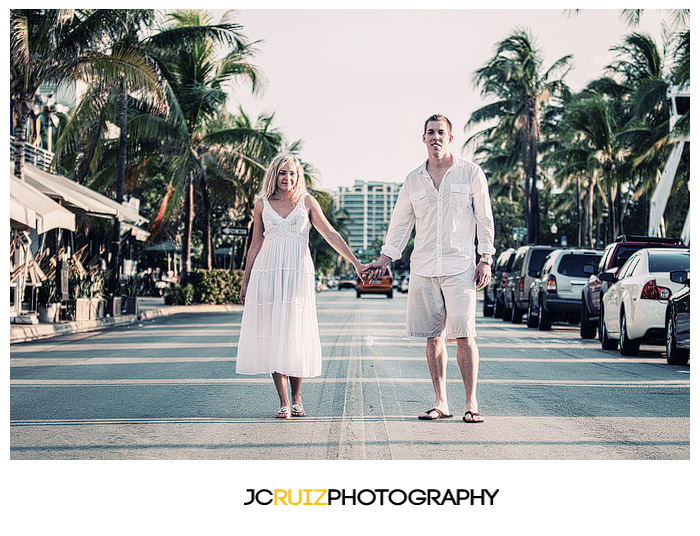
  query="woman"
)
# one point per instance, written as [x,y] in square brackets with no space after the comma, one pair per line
[279,329]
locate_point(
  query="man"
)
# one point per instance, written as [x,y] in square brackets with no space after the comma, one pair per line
[445,198]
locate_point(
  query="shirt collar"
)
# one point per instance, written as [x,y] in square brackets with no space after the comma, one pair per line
[456,161]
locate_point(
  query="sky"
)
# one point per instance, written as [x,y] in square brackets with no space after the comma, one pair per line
[356,85]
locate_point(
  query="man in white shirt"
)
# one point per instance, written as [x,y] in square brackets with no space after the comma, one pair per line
[447,199]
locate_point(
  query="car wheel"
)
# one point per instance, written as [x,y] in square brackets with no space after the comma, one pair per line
[588,329]
[606,342]
[488,306]
[358,293]
[674,355]
[627,346]
[545,323]
[532,319]
[516,316]
[498,310]
[390,294]
[507,311]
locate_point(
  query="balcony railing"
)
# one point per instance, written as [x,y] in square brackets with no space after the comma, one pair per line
[35,156]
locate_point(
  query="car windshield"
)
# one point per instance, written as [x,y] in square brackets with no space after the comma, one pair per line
[667,262]
[537,259]
[572,265]
[624,253]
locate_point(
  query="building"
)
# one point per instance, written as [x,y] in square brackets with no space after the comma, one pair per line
[369,205]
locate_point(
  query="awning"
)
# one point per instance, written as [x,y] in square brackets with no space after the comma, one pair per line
[58,189]
[21,217]
[48,214]
[140,234]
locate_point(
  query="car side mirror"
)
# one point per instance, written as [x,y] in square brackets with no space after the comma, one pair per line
[588,269]
[607,276]
[680,276]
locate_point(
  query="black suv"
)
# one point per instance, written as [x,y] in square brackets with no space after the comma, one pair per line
[526,266]
[614,256]
[493,293]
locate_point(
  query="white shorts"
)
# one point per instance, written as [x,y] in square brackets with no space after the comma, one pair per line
[443,306]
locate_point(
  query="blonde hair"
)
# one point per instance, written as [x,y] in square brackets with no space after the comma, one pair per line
[269,184]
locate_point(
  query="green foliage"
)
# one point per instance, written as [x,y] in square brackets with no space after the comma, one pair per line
[208,286]
[180,295]
[48,292]
[506,216]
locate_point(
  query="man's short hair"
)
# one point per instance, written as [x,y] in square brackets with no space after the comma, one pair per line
[438,117]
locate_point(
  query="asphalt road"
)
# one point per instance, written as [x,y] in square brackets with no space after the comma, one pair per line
[167,389]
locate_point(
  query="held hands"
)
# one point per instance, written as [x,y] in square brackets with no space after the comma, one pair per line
[241,296]
[374,270]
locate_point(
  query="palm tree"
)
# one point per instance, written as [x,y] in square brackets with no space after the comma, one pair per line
[58,45]
[186,52]
[516,79]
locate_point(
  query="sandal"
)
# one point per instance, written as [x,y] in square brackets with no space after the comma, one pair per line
[440,415]
[283,413]
[298,411]
[472,414]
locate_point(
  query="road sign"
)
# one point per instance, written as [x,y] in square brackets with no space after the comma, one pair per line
[238,231]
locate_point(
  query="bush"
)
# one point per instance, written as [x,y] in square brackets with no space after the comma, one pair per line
[180,295]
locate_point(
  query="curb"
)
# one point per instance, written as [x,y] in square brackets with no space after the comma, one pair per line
[31,332]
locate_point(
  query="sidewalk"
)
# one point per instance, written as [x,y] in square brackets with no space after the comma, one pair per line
[148,308]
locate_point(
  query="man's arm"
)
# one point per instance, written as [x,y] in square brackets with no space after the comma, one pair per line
[484,229]
[400,227]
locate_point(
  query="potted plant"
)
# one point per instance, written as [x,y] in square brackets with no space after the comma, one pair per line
[80,288]
[49,301]
[96,282]
[132,291]
[112,291]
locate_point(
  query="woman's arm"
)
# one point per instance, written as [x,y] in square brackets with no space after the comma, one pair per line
[255,244]
[323,226]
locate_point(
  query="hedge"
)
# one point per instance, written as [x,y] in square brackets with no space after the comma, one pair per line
[207,286]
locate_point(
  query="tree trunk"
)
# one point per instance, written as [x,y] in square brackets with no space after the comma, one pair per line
[206,216]
[22,110]
[121,171]
[188,214]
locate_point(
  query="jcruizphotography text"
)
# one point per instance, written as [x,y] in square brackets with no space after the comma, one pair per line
[367,497]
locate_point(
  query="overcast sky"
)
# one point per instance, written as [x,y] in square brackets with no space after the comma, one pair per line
[357,85]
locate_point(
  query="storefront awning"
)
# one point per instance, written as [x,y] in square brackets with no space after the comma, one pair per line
[47,213]
[140,234]
[56,188]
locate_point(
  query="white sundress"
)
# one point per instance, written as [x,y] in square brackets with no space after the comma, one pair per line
[279,328]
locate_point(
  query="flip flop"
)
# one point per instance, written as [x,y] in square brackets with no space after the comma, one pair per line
[472,414]
[298,411]
[283,413]
[441,415]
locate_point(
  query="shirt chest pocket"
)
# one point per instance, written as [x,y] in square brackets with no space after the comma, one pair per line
[461,196]
[420,202]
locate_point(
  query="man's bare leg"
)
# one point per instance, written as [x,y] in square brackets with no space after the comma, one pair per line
[468,361]
[436,354]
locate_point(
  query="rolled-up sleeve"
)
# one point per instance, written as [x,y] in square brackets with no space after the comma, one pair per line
[400,226]
[483,214]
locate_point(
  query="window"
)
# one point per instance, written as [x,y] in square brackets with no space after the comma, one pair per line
[667,262]
[572,265]
[537,258]
[628,267]
[519,258]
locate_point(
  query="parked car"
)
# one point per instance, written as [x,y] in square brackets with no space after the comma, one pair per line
[493,292]
[633,309]
[614,256]
[556,294]
[346,281]
[526,265]
[403,285]
[678,321]
[382,285]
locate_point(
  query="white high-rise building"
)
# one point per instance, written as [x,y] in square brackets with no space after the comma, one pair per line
[369,205]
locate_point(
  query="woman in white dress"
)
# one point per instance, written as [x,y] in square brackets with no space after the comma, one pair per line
[279,329]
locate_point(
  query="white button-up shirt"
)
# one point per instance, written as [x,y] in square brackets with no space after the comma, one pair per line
[446,220]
